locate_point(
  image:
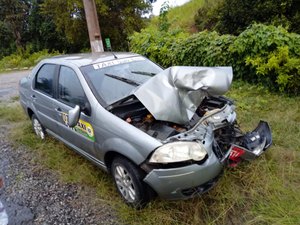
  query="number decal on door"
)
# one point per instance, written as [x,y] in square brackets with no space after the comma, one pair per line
[84,128]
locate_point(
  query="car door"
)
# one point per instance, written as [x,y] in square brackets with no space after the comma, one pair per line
[43,96]
[69,94]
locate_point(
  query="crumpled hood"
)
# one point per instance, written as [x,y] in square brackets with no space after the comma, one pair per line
[174,94]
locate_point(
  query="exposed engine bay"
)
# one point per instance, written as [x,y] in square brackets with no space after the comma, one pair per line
[134,112]
[215,115]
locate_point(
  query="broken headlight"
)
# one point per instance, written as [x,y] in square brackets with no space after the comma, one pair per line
[179,152]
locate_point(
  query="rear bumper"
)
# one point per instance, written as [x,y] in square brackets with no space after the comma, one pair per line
[185,182]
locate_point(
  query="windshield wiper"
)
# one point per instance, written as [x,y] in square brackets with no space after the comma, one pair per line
[128,81]
[144,73]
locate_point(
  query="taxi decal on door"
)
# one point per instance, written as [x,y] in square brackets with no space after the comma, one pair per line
[84,128]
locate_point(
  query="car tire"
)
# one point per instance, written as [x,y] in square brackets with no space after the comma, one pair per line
[128,179]
[38,128]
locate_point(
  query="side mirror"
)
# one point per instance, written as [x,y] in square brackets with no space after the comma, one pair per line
[73,117]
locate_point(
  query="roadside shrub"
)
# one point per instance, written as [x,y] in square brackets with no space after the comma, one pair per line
[234,16]
[23,58]
[204,49]
[268,55]
[156,45]
[278,70]
[11,61]
[262,54]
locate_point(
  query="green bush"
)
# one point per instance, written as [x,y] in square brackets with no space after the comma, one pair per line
[156,45]
[254,52]
[203,49]
[24,58]
[262,54]
[278,70]
[234,16]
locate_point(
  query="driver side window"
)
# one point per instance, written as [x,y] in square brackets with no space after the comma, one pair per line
[70,90]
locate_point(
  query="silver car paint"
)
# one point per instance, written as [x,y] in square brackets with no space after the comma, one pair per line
[169,183]
[179,90]
[113,134]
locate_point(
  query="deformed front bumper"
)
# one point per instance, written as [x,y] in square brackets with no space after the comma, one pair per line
[253,144]
[257,141]
[187,181]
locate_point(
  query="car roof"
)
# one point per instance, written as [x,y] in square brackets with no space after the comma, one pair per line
[84,59]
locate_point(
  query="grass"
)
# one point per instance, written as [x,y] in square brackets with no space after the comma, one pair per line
[11,111]
[265,191]
[182,16]
[24,59]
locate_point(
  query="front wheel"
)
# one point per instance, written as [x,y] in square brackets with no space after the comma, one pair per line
[128,179]
[38,127]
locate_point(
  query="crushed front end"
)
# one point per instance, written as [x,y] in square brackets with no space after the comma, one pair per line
[229,139]
[213,126]
[184,109]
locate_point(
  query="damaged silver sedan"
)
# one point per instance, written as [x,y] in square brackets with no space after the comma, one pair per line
[157,132]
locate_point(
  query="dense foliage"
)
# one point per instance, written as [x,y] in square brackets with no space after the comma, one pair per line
[24,59]
[268,55]
[265,54]
[234,16]
[156,45]
[60,25]
[117,19]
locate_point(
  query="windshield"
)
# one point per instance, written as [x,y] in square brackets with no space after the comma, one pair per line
[116,79]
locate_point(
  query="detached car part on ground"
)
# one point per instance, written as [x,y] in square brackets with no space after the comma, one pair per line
[158,132]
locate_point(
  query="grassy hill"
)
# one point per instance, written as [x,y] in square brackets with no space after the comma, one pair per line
[182,16]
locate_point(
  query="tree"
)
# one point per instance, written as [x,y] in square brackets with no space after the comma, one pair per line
[163,22]
[117,19]
[41,32]
[14,13]
[122,18]
[234,16]
[68,18]
[7,45]
[61,25]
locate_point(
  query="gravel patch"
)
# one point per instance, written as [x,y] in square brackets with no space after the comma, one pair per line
[34,195]
[9,82]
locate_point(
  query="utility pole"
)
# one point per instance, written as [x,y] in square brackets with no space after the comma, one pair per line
[93,25]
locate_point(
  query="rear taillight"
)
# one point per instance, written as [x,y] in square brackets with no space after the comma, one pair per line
[235,155]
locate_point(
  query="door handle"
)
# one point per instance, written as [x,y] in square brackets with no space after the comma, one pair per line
[58,110]
[33,96]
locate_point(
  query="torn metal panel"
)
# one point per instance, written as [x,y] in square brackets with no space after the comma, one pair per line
[175,93]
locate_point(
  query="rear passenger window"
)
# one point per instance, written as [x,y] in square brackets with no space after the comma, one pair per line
[69,88]
[44,79]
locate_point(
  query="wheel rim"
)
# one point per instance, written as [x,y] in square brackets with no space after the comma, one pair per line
[38,129]
[124,183]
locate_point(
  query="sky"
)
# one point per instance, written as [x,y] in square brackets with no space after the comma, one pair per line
[172,3]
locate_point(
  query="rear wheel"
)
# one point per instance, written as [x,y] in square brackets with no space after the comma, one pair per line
[38,127]
[128,179]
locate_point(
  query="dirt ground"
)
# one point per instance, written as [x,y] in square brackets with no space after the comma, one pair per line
[9,82]
[35,195]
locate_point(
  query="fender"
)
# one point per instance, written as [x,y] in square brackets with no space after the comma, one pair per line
[124,148]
